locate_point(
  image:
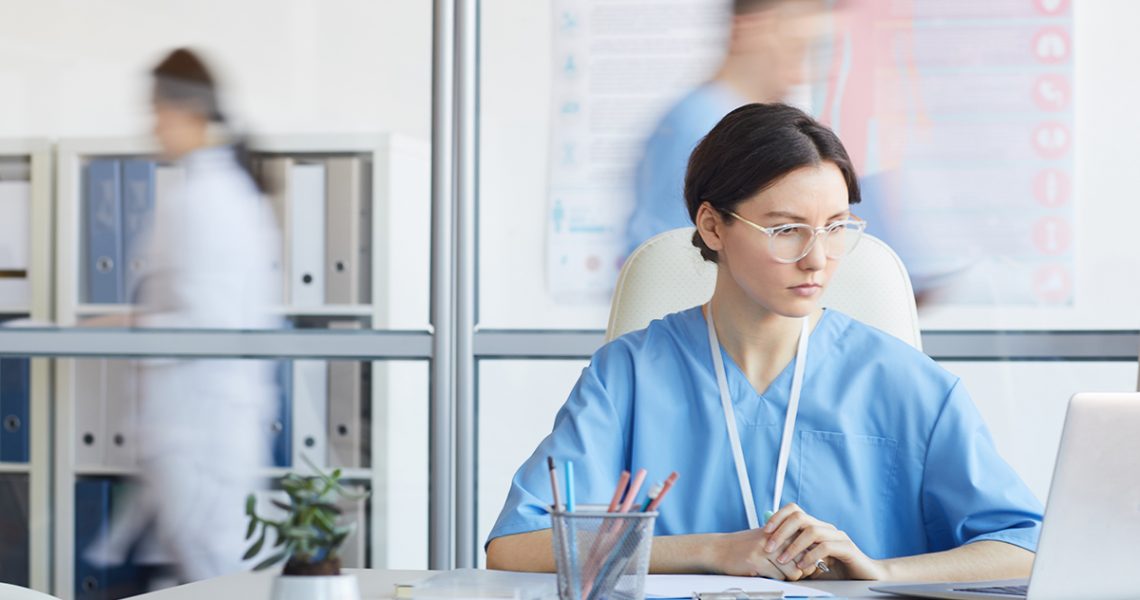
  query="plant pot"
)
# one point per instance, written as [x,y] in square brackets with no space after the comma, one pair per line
[315,587]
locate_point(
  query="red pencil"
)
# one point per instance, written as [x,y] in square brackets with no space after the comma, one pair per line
[622,481]
[634,487]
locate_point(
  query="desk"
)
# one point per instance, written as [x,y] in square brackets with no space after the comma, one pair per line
[378,583]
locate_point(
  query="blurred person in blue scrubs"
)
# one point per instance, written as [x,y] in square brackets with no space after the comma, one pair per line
[208,263]
[890,472]
[766,57]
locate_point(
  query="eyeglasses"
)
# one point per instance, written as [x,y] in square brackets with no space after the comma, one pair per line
[790,243]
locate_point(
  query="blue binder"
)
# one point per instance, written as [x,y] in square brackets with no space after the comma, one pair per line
[14,551]
[103,261]
[281,432]
[14,376]
[93,509]
[138,208]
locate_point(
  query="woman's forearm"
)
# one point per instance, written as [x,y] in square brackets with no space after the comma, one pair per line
[972,562]
[532,551]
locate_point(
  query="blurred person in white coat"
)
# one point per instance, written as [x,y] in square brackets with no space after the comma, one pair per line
[209,263]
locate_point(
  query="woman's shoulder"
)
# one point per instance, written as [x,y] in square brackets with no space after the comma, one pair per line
[671,336]
[863,347]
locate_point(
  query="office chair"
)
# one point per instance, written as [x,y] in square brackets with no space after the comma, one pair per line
[666,274]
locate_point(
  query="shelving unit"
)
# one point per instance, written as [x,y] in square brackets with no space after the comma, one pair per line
[398,182]
[38,157]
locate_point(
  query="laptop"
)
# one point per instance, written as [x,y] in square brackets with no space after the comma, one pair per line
[1090,540]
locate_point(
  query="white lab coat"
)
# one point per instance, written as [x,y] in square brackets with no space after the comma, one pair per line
[210,264]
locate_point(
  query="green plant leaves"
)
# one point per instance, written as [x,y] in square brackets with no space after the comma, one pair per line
[308,532]
[256,547]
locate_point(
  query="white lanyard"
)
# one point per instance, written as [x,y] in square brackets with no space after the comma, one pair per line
[734,435]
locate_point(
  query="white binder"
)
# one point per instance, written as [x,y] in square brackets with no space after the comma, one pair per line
[276,170]
[353,553]
[15,204]
[307,233]
[89,380]
[122,402]
[310,412]
[348,232]
[347,392]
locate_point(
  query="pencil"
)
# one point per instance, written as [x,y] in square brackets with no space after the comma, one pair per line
[634,487]
[622,482]
[553,483]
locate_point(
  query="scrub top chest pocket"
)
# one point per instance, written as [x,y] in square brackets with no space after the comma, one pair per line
[843,475]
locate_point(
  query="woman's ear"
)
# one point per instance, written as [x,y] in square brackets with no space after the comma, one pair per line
[710,225]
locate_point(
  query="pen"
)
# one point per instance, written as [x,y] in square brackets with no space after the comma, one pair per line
[653,493]
[569,486]
[553,482]
[669,481]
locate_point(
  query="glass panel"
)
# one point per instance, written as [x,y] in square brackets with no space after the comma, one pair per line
[1024,405]
[517,403]
[1013,235]
[166,451]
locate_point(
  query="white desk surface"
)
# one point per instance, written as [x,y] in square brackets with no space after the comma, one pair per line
[379,583]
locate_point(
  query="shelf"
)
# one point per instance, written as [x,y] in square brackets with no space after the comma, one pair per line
[346,473]
[270,472]
[94,310]
[15,310]
[15,468]
[327,310]
[100,471]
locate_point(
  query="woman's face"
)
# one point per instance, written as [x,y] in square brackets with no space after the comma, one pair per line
[814,195]
[179,131]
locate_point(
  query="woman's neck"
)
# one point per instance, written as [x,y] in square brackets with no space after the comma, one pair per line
[761,342]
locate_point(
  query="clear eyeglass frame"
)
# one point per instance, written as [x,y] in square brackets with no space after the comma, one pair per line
[790,243]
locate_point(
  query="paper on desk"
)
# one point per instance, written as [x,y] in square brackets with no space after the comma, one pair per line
[683,586]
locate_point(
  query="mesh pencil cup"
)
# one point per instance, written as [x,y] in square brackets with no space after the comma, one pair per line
[602,555]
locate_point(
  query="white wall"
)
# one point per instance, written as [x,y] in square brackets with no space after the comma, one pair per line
[76,68]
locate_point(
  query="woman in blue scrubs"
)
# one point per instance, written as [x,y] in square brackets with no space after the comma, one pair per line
[873,459]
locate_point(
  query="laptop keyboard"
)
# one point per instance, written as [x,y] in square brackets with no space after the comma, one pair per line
[1005,590]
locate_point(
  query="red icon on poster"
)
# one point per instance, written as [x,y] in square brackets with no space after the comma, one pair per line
[1051,92]
[593,263]
[1051,45]
[1051,7]
[1052,236]
[1051,188]
[1051,140]
[1053,284]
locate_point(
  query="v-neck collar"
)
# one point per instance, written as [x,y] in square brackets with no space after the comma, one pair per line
[819,342]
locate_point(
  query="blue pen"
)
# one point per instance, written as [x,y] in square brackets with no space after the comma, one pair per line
[569,486]
[572,532]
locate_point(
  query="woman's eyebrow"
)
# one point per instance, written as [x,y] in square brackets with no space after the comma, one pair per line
[793,216]
[786,215]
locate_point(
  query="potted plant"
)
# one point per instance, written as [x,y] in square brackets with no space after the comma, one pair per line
[307,538]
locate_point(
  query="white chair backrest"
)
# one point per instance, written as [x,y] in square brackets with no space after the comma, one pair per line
[667,274]
[15,592]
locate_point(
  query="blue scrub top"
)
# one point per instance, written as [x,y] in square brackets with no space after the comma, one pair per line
[888,446]
[659,184]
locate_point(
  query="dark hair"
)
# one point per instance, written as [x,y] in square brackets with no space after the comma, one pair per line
[182,78]
[749,150]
